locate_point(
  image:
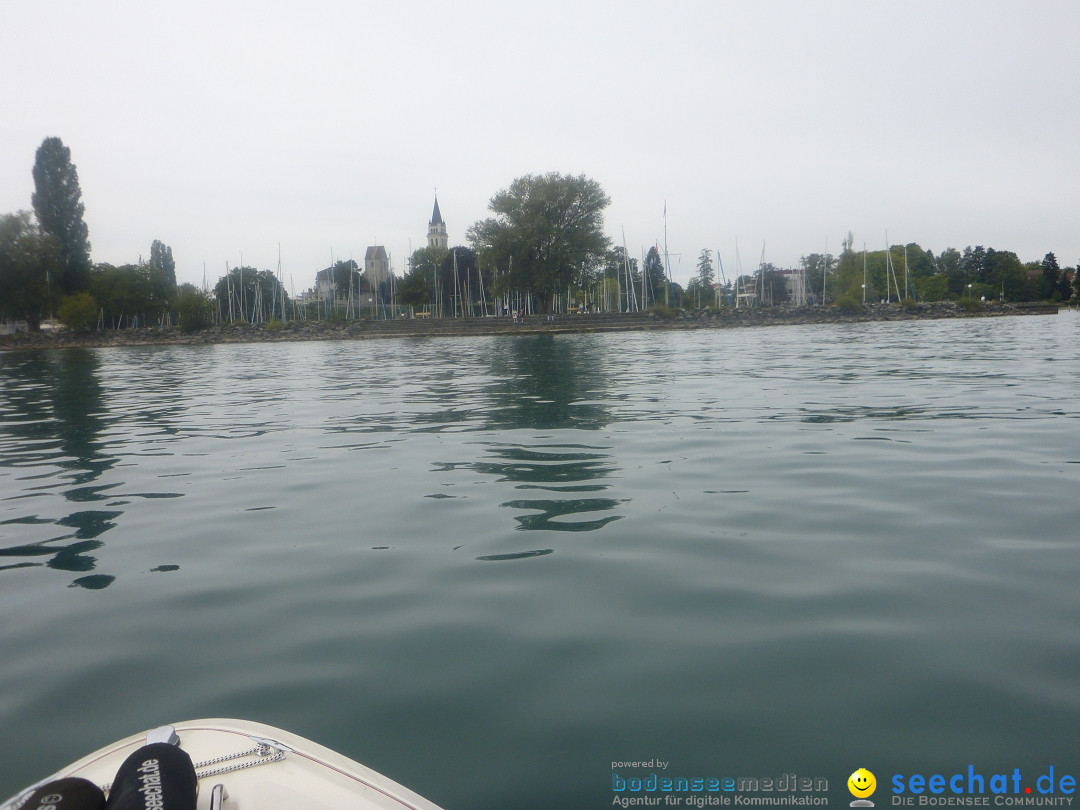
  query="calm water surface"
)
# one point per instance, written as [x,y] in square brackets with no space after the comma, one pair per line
[491,567]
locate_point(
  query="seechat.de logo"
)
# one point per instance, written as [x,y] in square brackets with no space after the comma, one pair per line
[862,785]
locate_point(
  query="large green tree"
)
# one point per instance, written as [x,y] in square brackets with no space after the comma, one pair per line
[461,282]
[706,276]
[1051,278]
[132,294]
[78,311]
[655,278]
[347,278]
[817,267]
[973,266]
[948,264]
[419,288]
[161,259]
[619,281]
[250,295]
[194,309]
[1007,277]
[547,230]
[28,258]
[1067,289]
[771,284]
[847,274]
[58,206]
[920,262]
[616,263]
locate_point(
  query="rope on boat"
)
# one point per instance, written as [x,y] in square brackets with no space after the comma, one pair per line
[266,751]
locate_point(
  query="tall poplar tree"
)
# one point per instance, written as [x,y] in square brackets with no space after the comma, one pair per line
[161,259]
[59,210]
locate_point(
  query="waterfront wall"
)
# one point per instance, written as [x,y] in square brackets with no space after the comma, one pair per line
[572,322]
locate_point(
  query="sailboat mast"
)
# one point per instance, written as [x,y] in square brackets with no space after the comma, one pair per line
[242,307]
[483,298]
[457,294]
[890,270]
[824,270]
[864,273]
[643,305]
[888,254]
[281,283]
[739,284]
[906,293]
[667,262]
[761,272]
[630,302]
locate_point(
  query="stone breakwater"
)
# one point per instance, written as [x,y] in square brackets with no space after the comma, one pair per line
[533,324]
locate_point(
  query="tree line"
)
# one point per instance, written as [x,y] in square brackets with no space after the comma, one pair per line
[543,249]
[46,271]
[545,244]
[909,271]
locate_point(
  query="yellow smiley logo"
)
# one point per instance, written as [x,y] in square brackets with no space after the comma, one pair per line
[861,783]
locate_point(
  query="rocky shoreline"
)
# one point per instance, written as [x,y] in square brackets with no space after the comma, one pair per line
[535,324]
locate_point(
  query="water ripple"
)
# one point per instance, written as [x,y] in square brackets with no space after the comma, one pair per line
[741,529]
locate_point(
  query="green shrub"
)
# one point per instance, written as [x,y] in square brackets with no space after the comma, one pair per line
[909,304]
[971,305]
[195,310]
[662,311]
[78,311]
[849,303]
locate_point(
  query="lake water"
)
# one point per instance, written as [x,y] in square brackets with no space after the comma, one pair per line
[492,567]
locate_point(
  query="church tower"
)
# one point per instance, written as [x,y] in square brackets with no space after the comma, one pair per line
[436,229]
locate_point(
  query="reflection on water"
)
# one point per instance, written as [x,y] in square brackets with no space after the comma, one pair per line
[93,582]
[593,545]
[551,509]
[54,416]
[70,422]
[535,383]
[560,469]
[77,409]
[557,468]
[520,555]
[544,383]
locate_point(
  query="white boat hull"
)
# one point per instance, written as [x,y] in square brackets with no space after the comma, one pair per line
[306,777]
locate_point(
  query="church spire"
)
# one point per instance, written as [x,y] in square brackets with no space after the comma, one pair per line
[436,216]
[436,232]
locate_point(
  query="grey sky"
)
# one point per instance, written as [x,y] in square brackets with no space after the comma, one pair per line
[226,128]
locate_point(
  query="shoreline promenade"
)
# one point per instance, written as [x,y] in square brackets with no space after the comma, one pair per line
[571,323]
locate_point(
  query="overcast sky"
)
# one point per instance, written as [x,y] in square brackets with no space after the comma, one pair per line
[227,128]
